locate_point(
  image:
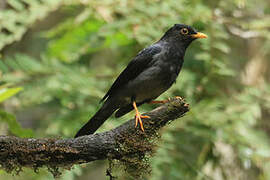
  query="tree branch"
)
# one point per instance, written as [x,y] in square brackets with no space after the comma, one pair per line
[118,143]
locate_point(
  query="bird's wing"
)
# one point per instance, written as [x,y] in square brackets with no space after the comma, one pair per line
[134,68]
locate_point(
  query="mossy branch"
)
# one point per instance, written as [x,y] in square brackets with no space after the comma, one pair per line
[120,143]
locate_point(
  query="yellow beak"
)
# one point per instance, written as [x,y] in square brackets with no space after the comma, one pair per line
[199,35]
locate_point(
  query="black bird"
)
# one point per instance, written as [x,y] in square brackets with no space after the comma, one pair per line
[147,76]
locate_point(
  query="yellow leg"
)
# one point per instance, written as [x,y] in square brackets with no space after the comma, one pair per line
[138,116]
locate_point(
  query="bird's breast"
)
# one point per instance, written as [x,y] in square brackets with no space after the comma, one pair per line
[152,82]
[169,69]
[160,74]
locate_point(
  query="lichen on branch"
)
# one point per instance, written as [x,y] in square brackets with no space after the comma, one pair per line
[125,145]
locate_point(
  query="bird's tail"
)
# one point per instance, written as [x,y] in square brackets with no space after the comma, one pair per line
[99,118]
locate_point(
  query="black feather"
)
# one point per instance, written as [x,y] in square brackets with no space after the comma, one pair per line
[126,109]
[109,106]
[133,69]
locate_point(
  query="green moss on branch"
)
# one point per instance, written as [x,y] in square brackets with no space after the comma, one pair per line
[123,145]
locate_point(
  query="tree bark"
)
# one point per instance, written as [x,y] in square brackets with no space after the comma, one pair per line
[122,141]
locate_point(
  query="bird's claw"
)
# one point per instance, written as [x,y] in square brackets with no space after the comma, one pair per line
[176,97]
[138,118]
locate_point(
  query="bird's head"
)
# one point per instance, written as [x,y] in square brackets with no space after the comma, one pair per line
[182,34]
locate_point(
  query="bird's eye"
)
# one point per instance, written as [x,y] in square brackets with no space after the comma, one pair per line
[184,31]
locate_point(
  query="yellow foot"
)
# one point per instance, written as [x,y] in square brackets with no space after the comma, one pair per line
[138,118]
[178,97]
[158,102]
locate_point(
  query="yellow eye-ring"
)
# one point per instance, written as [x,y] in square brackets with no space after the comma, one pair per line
[184,31]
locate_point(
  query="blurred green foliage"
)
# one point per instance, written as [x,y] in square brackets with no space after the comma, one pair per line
[225,78]
[9,119]
[17,16]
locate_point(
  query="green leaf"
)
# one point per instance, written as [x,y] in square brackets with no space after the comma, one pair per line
[6,93]
[14,126]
